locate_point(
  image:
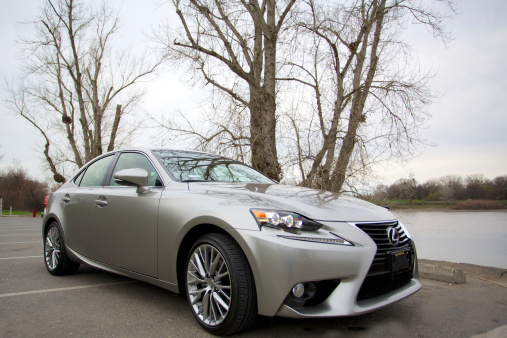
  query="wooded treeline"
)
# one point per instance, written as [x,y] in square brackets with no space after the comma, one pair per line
[21,192]
[446,188]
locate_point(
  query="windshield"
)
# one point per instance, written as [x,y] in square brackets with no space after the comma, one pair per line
[189,166]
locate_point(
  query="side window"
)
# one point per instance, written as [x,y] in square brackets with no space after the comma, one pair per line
[135,160]
[94,174]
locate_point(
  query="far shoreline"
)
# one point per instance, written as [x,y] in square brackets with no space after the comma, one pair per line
[443,210]
[472,205]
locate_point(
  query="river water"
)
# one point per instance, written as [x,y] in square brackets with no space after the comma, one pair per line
[475,237]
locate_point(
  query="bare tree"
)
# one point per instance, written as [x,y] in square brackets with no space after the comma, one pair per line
[451,187]
[346,94]
[368,102]
[474,184]
[232,45]
[74,89]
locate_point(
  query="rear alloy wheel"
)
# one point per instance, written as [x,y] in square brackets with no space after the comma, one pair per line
[55,256]
[219,285]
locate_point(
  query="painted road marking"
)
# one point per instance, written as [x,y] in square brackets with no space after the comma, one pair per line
[5,258]
[14,294]
[19,235]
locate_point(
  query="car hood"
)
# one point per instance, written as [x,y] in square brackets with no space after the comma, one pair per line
[316,204]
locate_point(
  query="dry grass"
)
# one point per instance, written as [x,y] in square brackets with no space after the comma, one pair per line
[478,205]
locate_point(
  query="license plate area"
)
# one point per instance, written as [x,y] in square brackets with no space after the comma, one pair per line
[399,261]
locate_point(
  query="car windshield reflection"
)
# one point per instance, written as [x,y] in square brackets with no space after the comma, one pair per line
[188,166]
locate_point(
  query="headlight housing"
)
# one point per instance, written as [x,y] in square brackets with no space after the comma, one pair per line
[284,220]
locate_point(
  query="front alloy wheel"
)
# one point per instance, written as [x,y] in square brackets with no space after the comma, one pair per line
[209,285]
[219,285]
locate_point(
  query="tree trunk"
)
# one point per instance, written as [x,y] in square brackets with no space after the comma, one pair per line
[262,133]
[359,99]
[263,102]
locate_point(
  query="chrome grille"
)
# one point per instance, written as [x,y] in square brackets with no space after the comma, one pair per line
[380,280]
[378,232]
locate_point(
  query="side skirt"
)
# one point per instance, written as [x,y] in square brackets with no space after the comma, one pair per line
[109,268]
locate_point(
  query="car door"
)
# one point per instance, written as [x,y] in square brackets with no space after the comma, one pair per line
[126,221]
[77,207]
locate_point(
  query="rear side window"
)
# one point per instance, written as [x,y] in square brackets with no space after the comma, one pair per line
[94,174]
[135,160]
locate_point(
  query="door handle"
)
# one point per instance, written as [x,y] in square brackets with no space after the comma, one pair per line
[101,203]
[66,198]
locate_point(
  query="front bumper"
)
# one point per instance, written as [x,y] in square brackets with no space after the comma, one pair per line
[279,263]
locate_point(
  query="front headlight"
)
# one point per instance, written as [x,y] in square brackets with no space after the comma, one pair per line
[284,220]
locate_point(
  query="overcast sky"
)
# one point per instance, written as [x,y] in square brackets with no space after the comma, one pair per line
[469,123]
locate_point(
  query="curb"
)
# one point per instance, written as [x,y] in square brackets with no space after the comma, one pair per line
[454,273]
[441,273]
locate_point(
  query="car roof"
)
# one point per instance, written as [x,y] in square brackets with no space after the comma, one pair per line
[149,149]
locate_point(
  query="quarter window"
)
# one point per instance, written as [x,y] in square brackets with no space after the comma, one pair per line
[78,179]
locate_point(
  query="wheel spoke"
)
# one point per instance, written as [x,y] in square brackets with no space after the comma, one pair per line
[212,314]
[199,265]
[205,264]
[220,301]
[197,299]
[222,275]
[214,264]
[48,242]
[220,309]
[195,280]
[197,291]
[225,295]
[205,306]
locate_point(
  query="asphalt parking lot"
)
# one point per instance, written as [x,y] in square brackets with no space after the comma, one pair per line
[97,303]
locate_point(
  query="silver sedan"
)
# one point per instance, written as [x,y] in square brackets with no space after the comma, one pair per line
[235,242]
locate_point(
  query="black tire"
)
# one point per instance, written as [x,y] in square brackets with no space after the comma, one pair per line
[219,283]
[55,257]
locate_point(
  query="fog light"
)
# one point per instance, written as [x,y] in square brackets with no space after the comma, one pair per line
[298,290]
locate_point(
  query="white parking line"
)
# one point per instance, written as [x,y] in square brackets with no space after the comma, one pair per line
[5,258]
[20,242]
[19,235]
[63,289]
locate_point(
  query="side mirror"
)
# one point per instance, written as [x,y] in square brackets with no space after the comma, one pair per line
[133,177]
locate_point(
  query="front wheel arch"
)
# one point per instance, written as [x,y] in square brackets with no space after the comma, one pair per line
[186,244]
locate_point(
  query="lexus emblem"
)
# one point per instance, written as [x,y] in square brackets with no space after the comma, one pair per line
[393,236]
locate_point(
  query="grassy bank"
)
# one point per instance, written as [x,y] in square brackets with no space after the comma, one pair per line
[451,205]
[18,213]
